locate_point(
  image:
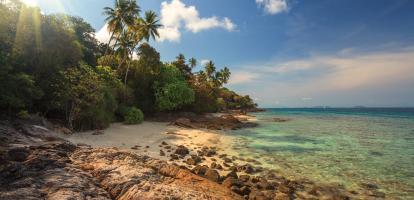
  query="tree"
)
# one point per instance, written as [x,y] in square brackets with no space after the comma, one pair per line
[172,91]
[193,62]
[77,90]
[180,64]
[120,17]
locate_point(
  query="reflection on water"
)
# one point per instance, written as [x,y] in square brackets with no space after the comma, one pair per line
[347,147]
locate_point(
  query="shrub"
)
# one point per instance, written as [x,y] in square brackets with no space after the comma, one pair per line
[134,116]
[23,114]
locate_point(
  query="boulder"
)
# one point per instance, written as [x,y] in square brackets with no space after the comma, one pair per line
[182,150]
[212,175]
[200,169]
[232,174]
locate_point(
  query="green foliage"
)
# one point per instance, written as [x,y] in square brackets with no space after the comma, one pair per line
[142,77]
[109,60]
[134,116]
[172,91]
[53,65]
[23,114]
[17,90]
[78,89]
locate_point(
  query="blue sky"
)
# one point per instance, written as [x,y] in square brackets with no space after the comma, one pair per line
[288,53]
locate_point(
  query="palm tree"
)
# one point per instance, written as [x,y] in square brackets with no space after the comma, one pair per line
[225,75]
[120,17]
[125,48]
[210,69]
[193,62]
[142,29]
[150,25]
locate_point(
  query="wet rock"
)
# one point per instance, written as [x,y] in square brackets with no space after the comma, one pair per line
[212,175]
[182,150]
[249,169]
[18,154]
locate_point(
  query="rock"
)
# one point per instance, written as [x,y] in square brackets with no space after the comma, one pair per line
[147,147]
[219,167]
[245,190]
[162,153]
[232,174]
[248,169]
[174,157]
[235,189]
[212,175]
[285,189]
[182,150]
[222,155]
[230,181]
[277,119]
[227,160]
[200,169]
[265,185]
[183,122]
[98,132]
[18,154]
[244,178]
[164,143]
[194,160]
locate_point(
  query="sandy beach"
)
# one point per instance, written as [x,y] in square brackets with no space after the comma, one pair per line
[146,138]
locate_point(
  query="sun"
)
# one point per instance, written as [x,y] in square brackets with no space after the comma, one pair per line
[30,2]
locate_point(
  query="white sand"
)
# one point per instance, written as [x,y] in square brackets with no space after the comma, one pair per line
[150,134]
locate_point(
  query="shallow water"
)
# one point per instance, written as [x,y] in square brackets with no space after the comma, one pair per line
[350,147]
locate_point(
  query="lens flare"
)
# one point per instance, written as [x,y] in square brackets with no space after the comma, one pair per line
[32,3]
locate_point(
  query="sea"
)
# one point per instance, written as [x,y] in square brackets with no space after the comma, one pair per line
[351,147]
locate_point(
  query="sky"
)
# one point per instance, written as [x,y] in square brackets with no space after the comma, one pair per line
[286,53]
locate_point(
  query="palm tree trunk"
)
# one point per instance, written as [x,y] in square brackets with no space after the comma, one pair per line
[126,74]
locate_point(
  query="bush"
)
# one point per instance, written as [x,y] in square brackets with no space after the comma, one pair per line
[134,116]
[23,114]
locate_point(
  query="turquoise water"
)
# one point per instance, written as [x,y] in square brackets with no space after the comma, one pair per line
[349,147]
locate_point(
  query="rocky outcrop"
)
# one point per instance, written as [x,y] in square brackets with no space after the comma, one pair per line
[42,166]
[223,122]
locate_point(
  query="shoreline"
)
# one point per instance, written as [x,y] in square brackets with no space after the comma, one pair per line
[170,151]
[167,138]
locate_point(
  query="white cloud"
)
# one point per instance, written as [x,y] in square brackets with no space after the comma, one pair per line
[239,77]
[273,6]
[204,61]
[103,35]
[379,78]
[176,14]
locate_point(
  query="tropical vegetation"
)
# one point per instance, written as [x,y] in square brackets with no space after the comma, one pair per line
[53,66]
